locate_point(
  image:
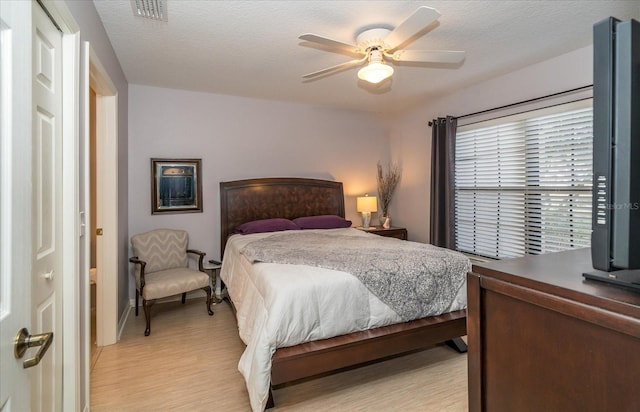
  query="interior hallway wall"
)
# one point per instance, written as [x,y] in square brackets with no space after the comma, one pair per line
[92,30]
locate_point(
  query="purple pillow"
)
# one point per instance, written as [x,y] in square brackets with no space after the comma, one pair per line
[266,225]
[322,222]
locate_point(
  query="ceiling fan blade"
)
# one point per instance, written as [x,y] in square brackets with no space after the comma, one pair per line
[420,19]
[334,44]
[428,56]
[334,68]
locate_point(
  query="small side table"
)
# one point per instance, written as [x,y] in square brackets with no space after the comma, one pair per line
[213,270]
[397,232]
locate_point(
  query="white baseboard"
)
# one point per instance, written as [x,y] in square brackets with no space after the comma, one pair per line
[123,321]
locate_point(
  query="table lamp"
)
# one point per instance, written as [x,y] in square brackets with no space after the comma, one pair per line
[365,205]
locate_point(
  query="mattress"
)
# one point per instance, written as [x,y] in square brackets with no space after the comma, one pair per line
[280,305]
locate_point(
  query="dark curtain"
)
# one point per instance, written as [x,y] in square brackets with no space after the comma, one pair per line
[443,149]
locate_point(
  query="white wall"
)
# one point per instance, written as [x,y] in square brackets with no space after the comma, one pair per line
[241,138]
[410,135]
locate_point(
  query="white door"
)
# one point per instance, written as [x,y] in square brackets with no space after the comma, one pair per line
[31,224]
[46,208]
[15,195]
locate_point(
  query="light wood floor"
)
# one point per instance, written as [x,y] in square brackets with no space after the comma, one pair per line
[189,363]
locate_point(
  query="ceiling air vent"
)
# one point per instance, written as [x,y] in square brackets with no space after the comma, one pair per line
[150,9]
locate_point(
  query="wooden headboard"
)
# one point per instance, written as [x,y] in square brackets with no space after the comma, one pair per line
[286,197]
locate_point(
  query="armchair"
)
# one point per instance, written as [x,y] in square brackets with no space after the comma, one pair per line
[162,269]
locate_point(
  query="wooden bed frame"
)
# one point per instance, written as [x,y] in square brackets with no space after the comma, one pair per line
[246,200]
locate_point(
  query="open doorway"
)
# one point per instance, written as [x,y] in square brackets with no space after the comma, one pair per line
[101,197]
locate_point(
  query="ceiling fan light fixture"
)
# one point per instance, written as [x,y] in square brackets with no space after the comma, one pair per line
[379,40]
[375,72]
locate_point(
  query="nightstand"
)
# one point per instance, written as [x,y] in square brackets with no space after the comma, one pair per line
[397,232]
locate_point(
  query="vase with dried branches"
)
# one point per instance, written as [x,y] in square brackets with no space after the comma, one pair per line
[387,183]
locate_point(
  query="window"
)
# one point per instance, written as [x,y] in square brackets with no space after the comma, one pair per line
[523,182]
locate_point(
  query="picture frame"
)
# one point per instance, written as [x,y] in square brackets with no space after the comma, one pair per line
[176,186]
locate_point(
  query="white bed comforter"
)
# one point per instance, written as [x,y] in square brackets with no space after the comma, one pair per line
[284,305]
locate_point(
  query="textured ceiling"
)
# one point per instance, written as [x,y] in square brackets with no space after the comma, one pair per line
[251,48]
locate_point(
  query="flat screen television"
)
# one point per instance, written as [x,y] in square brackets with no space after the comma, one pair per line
[615,239]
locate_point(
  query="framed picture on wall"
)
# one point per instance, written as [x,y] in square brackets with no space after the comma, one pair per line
[176,186]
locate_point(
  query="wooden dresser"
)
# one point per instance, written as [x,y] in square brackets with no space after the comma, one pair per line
[542,338]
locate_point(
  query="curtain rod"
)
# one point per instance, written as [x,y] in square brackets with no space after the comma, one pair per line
[577,89]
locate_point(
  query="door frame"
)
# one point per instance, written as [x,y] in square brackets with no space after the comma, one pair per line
[96,77]
[107,199]
[70,223]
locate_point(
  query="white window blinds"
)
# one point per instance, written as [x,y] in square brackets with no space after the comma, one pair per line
[523,183]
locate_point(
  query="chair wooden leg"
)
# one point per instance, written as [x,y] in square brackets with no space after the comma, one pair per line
[207,289]
[137,298]
[184,297]
[147,314]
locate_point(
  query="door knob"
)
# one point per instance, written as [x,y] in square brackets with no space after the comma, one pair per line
[25,341]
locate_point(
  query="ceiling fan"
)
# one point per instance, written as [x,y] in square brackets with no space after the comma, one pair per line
[376,43]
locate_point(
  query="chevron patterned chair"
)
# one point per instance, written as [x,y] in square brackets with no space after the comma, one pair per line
[162,269]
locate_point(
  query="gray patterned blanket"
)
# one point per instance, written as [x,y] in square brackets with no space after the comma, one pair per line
[416,280]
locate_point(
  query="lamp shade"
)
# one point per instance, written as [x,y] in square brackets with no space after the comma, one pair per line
[375,72]
[367,204]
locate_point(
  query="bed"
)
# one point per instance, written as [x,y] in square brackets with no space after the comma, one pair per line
[255,199]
